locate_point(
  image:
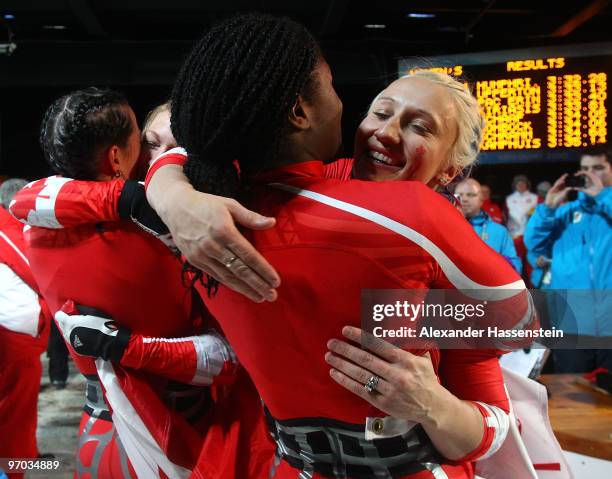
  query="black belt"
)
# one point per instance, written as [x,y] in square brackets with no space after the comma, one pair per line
[339,450]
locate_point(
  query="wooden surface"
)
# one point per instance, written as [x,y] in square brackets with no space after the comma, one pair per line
[580,417]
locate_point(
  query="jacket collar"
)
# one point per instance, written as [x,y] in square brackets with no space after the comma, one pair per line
[305,169]
[479,219]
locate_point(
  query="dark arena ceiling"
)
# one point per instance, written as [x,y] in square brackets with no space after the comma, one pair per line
[141,42]
[137,46]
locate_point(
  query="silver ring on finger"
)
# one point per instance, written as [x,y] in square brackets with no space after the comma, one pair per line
[228,264]
[371,385]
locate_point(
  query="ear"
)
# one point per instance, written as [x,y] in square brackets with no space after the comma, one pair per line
[113,159]
[452,172]
[300,115]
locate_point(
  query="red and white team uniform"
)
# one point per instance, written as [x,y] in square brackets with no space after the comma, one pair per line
[118,269]
[24,332]
[332,239]
[520,206]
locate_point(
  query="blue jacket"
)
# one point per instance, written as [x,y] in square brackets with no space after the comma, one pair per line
[579,234]
[497,237]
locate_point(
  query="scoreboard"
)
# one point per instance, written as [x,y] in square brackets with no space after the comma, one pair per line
[552,102]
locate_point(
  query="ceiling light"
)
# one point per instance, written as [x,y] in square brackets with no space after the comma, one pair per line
[421,15]
[54,27]
[9,16]
[375,26]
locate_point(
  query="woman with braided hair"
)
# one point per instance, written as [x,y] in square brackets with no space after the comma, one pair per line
[149,389]
[74,123]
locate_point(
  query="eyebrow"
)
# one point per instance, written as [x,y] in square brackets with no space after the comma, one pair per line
[429,117]
[151,132]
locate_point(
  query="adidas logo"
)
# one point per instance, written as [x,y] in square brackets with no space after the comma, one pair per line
[77,342]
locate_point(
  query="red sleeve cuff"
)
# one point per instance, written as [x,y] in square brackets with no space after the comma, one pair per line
[485,443]
[175,156]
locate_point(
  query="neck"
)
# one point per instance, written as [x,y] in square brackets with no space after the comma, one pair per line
[290,153]
[296,152]
[474,215]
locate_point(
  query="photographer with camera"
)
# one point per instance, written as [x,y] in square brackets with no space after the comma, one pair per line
[579,233]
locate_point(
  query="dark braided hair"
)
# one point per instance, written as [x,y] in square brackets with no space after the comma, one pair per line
[77,126]
[233,96]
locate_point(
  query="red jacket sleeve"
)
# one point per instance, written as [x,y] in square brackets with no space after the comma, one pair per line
[475,375]
[200,360]
[56,202]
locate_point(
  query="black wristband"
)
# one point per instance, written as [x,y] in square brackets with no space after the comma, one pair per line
[133,192]
[133,205]
[117,347]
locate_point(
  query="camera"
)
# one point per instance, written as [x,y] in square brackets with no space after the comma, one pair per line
[576,181]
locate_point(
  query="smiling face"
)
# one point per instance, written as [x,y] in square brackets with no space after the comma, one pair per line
[407,134]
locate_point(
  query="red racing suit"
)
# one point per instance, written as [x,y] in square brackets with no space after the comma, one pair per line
[134,278]
[333,239]
[20,368]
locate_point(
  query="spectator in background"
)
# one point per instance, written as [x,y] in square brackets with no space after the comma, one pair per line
[24,329]
[520,205]
[57,352]
[8,189]
[469,193]
[489,206]
[542,189]
[579,234]
[540,276]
